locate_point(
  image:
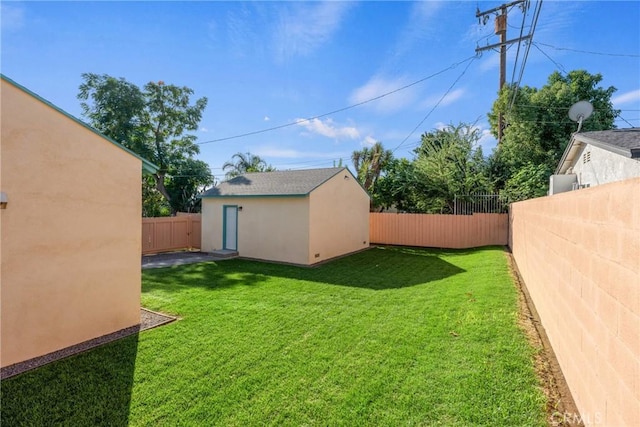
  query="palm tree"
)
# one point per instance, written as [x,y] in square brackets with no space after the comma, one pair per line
[245,162]
[369,164]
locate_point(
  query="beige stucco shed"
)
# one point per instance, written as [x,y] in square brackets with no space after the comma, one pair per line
[300,216]
[70,228]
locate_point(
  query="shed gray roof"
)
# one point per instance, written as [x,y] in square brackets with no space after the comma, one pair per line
[625,142]
[277,183]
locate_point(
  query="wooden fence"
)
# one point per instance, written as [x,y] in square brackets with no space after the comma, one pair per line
[439,231]
[171,233]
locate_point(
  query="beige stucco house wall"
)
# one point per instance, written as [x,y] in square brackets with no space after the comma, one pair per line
[70,231]
[300,217]
[338,218]
[269,228]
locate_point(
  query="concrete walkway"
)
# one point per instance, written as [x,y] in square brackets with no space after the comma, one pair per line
[179,258]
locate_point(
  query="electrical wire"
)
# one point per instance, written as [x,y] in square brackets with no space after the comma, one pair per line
[437,104]
[558,66]
[297,122]
[534,23]
[629,55]
[515,62]
[626,121]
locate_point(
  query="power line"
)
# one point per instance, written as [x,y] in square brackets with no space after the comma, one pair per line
[534,23]
[435,106]
[501,30]
[625,120]
[559,66]
[515,62]
[629,55]
[297,122]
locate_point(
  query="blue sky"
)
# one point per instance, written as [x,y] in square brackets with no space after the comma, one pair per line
[266,64]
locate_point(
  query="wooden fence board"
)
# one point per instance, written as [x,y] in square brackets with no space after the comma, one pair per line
[439,231]
[170,233]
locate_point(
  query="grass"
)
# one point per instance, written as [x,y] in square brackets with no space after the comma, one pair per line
[390,336]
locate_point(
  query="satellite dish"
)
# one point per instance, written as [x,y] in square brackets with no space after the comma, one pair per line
[580,111]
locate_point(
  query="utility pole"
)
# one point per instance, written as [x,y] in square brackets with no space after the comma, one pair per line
[501,30]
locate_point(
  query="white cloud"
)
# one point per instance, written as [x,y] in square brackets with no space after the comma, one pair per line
[267,118]
[328,129]
[377,86]
[448,99]
[487,141]
[12,17]
[368,141]
[627,97]
[303,27]
[204,129]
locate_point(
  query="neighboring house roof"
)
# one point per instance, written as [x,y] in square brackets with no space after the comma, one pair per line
[147,166]
[624,142]
[277,183]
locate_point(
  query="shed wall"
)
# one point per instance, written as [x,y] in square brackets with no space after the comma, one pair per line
[70,246]
[269,228]
[338,218]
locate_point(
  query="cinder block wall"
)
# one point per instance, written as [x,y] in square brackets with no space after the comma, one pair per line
[579,256]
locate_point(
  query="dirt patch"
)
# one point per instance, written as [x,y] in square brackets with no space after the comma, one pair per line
[561,409]
[148,320]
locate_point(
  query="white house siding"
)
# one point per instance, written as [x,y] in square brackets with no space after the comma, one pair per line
[339,218]
[595,166]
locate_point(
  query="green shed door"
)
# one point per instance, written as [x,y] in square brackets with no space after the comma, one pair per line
[230,227]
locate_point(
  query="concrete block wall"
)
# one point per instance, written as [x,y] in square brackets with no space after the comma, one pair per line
[579,256]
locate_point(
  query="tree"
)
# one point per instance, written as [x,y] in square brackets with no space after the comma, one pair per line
[152,122]
[245,162]
[397,188]
[369,163]
[449,163]
[525,184]
[153,204]
[189,178]
[538,128]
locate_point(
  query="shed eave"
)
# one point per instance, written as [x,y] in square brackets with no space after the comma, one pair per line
[242,196]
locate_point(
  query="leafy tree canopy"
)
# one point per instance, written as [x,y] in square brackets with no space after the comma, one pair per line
[538,127]
[153,122]
[450,163]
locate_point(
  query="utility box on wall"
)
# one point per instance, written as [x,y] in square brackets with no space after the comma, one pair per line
[562,183]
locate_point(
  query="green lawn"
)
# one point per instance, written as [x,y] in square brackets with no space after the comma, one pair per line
[389,337]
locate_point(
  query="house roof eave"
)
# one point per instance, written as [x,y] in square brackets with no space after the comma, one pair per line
[147,166]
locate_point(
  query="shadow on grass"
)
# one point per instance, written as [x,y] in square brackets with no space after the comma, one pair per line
[89,389]
[377,269]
